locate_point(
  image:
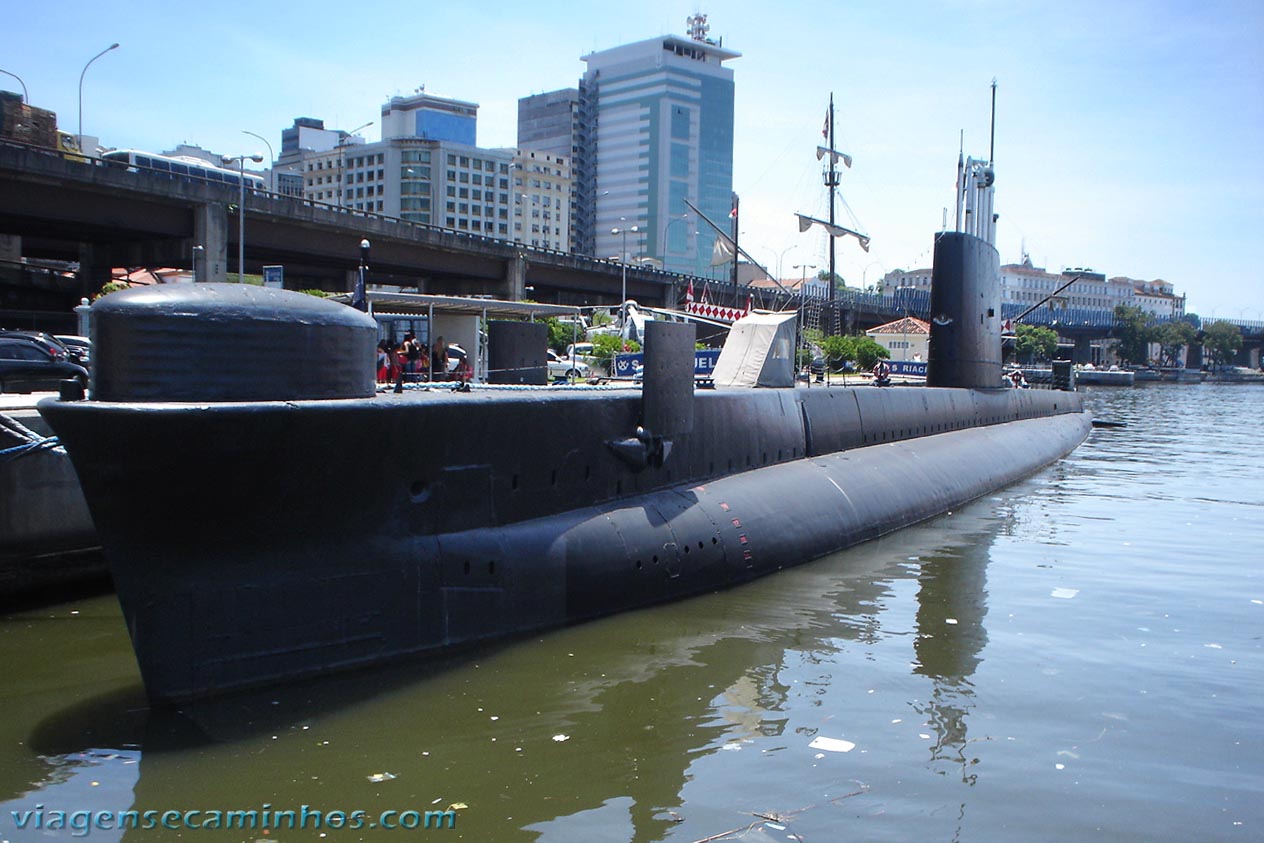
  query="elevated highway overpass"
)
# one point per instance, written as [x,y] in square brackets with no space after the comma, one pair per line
[105,216]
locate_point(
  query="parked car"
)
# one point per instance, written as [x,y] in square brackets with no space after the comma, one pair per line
[48,341]
[583,351]
[562,367]
[80,349]
[26,365]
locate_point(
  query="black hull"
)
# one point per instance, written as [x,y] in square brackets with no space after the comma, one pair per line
[263,541]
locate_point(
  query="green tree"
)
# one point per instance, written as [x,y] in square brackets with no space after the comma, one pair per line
[1172,337]
[1133,333]
[868,352]
[606,346]
[1035,342]
[111,287]
[561,334]
[1222,340]
[837,350]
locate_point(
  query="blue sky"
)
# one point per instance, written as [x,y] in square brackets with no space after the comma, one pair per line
[1130,135]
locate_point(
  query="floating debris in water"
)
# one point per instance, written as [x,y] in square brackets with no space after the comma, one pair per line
[560,738]
[381,777]
[952,621]
[832,744]
[1064,593]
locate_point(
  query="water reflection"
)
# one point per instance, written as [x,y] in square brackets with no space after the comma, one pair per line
[603,725]
[951,607]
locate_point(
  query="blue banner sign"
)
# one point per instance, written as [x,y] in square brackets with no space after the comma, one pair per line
[908,367]
[625,365]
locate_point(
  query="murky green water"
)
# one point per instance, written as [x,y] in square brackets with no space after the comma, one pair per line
[1077,657]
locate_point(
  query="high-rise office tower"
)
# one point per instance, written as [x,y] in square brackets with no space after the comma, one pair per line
[652,126]
[663,112]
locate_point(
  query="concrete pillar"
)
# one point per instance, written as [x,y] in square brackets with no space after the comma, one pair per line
[94,269]
[516,277]
[83,321]
[10,248]
[210,231]
[1083,351]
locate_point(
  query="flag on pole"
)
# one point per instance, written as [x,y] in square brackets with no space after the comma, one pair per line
[723,251]
[825,128]
[358,298]
[733,213]
[689,293]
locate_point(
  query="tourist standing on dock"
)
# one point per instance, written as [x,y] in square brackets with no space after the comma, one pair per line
[439,360]
[412,351]
[383,361]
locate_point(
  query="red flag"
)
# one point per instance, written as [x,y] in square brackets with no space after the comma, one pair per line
[689,293]
[733,213]
[825,128]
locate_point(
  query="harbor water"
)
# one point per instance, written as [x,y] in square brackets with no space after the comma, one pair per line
[1075,657]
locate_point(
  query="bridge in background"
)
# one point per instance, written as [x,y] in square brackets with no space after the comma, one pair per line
[104,216]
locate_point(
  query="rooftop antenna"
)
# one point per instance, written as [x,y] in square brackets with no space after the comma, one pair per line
[992,144]
[961,167]
[698,27]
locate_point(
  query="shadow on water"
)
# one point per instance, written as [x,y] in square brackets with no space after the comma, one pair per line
[537,735]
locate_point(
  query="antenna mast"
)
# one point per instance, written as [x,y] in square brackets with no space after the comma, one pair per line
[992,144]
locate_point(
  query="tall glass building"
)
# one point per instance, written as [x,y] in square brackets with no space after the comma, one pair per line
[659,130]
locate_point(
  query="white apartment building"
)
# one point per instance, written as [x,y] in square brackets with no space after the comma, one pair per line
[1025,285]
[542,187]
[1156,297]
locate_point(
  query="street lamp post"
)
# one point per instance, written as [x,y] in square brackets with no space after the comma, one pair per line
[865,274]
[781,256]
[85,70]
[801,342]
[271,159]
[342,160]
[198,249]
[667,228]
[623,259]
[26,98]
[241,209]
[360,298]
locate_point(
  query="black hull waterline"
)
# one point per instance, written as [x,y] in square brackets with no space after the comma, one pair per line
[261,541]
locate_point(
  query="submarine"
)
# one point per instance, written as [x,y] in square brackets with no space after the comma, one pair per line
[267,514]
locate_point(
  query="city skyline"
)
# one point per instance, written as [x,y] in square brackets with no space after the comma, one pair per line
[1127,137]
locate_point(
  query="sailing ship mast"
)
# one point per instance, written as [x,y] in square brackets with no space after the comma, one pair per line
[831,181]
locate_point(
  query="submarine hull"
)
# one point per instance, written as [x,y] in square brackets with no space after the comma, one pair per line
[262,541]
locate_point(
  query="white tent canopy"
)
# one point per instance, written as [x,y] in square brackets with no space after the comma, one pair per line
[758,352]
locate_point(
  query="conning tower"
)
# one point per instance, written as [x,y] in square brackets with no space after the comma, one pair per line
[965,299]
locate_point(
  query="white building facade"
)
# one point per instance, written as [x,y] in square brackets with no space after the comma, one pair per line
[1025,285]
[542,188]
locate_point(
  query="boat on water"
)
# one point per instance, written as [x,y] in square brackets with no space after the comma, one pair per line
[267,514]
